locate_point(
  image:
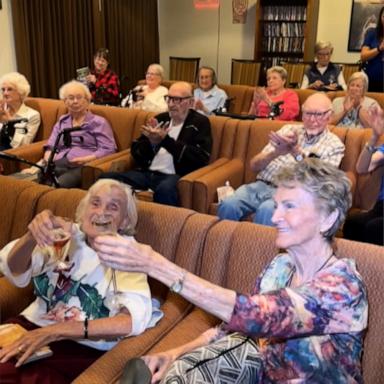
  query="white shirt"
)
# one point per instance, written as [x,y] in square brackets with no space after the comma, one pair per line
[163,160]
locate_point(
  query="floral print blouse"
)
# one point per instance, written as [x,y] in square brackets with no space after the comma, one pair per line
[312,333]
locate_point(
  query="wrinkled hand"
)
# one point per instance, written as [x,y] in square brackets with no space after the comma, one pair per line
[4,111]
[199,105]
[28,344]
[91,79]
[260,94]
[124,254]
[158,364]
[317,84]
[155,131]
[376,120]
[348,103]
[43,223]
[284,144]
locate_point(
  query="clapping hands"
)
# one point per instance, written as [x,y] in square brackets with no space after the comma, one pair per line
[155,131]
[283,144]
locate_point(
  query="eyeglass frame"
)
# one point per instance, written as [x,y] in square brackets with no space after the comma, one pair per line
[317,115]
[176,99]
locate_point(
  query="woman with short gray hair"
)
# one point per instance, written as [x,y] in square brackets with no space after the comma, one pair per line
[14,89]
[352,110]
[303,321]
[322,74]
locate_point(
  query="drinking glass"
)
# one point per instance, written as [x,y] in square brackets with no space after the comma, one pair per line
[61,247]
[112,298]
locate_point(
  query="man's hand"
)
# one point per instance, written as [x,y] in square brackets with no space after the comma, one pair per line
[284,144]
[155,131]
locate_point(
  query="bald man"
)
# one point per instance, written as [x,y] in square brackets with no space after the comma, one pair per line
[171,145]
[290,144]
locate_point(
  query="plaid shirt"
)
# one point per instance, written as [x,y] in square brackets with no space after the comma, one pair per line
[106,88]
[326,146]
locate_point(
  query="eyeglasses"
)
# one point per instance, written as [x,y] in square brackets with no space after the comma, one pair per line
[317,115]
[175,99]
[152,74]
[72,98]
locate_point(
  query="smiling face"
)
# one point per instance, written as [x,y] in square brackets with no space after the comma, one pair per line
[298,220]
[356,88]
[105,211]
[100,63]
[323,56]
[153,77]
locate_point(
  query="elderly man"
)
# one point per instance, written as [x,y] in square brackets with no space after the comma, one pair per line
[171,145]
[291,143]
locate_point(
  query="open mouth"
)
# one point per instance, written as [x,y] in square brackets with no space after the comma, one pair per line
[103,225]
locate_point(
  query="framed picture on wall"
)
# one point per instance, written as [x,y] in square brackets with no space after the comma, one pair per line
[364,15]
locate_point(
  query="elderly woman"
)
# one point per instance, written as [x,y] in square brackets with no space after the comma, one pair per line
[323,75]
[372,52]
[93,140]
[208,96]
[151,96]
[368,226]
[102,81]
[352,110]
[303,321]
[72,311]
[14,89]
[265,100]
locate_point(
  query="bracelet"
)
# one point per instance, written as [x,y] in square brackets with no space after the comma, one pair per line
[85,327]
[370,148]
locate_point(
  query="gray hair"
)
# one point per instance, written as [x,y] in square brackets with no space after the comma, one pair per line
[280,70]
[131,203]
[159,69]
[63,91]
[323,45]
[359,76]
[329,186]
[19,81]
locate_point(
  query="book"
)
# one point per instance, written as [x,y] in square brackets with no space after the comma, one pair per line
[82,74]
[9,333]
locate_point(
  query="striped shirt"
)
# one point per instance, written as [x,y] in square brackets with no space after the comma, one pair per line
[325,146]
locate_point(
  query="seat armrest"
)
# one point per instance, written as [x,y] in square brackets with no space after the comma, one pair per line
[205,187]
[185,184]
[31,152]
[92,170]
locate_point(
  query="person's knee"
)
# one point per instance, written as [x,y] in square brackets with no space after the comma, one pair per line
[264,213]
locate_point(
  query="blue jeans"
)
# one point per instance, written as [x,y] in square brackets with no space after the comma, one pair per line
[250,198]
[163,185]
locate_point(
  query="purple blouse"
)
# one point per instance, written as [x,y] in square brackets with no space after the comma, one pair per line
[95,138]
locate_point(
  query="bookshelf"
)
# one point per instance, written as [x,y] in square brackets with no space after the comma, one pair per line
[285,31]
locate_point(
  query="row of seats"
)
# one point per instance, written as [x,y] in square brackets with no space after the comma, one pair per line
[235,142]
[219,251]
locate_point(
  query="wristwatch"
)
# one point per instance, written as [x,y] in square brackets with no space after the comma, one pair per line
[177,286]
[299,157]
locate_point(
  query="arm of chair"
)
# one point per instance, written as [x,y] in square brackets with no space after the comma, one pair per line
[31,152]
[117,162]
[205,188]
[185,184]
[13,299]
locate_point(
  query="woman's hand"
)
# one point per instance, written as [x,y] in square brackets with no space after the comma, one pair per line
[43,223]
[124,254]
[79,161]
[91,79]
[348,103]
[199,106]
[376,121]
[28,344]
[159,364]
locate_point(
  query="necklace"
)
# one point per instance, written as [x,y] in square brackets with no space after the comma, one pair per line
[317,271]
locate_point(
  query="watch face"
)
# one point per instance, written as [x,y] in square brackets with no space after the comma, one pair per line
[177,287]
[299,157]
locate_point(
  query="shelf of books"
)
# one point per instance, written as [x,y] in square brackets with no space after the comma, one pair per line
[285,31]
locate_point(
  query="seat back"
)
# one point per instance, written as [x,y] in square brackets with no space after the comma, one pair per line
[348,69]
[370,263]
[183,68]
[295,73]
[245,72]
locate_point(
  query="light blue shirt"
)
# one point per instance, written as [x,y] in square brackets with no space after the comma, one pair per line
[213,99]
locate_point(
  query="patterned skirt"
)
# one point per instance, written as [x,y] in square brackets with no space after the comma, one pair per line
[233,359]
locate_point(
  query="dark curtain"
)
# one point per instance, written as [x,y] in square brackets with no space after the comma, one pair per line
[132,36]
[52,39]
[55,37]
